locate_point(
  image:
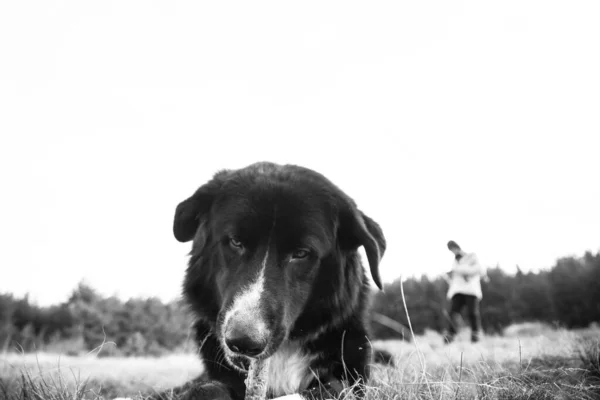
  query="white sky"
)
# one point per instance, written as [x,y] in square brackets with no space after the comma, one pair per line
[475,121]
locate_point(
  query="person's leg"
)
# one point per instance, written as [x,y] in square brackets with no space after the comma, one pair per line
[456,304]
[474,316]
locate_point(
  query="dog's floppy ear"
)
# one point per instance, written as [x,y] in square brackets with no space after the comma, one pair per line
[357,229]
[190,211]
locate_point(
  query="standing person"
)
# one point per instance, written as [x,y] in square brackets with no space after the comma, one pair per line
[464,290]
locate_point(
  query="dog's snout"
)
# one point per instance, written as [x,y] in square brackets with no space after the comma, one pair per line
[248,338]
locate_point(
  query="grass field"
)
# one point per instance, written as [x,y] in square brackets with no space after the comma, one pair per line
[528,362]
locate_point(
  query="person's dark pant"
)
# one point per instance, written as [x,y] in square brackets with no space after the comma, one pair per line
[458,302]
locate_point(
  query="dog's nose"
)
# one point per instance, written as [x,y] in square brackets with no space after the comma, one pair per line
[244,345]
[244,339]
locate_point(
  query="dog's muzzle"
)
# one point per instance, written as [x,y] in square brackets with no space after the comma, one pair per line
[245,336]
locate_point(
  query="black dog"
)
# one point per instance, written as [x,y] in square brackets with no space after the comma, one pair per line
[275,272]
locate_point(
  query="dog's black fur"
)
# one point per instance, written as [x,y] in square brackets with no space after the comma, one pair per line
[301,233]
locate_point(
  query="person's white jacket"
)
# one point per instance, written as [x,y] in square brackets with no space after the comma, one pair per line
[465,277]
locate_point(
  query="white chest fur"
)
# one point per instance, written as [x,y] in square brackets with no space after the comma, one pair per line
[289,370]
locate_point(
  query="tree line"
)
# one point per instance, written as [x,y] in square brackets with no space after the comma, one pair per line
[88,321]
[567,294]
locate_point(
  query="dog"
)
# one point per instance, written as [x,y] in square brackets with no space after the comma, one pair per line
[274,272]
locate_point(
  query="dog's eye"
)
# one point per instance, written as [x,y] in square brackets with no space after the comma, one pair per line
[235,243]
[300,254]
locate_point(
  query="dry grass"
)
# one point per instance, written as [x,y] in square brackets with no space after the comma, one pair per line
[541,364]
[107,377]
[544,366]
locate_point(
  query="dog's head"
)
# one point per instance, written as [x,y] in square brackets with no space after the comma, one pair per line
[270,241]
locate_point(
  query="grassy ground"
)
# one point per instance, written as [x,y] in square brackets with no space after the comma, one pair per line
[548,365]
[530,362]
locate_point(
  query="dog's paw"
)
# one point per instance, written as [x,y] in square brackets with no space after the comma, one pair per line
[206,391]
